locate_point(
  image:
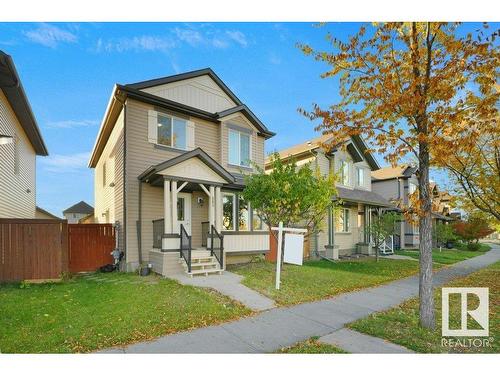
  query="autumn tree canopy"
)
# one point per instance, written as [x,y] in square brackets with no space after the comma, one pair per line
[411,88]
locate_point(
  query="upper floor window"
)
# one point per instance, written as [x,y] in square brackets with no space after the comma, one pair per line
[239,148]
[172,131]
[345,175]
[360,176]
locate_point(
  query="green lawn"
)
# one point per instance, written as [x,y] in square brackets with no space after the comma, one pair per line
[321,279]
[400,324]
[311,346]
[446,256]
[82,315]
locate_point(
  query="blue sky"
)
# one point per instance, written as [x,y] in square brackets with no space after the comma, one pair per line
[68,71]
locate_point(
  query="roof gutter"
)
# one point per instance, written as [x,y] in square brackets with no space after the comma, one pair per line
[10,84]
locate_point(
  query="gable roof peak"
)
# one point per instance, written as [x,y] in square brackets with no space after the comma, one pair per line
[187,75]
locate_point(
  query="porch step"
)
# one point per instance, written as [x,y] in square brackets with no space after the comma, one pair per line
[205,265]
[205,272]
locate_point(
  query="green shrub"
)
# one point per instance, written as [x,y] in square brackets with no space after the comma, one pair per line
[473,246]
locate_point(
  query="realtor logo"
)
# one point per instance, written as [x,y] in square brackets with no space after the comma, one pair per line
[480,314]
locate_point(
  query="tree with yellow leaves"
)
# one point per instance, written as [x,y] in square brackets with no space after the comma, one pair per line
[410,88]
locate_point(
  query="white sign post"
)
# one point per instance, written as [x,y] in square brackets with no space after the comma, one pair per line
[280,230]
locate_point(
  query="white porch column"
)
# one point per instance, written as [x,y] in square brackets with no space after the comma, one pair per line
[218,209]
[167,214]
[174,207]
[211,208]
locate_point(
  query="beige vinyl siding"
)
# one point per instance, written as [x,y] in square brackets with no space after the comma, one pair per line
[17,168]
[199,92]
[347,241]
[207,137]
[108,199]
[141,154]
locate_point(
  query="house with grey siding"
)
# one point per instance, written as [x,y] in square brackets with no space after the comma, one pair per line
[20,143]
[169,164]
[396,184]
[345,232]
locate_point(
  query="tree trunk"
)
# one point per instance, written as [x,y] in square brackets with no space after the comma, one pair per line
[427,316]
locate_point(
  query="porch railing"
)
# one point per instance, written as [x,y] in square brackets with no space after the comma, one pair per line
[185,250]
[157,233]
[217,246]
[205,228]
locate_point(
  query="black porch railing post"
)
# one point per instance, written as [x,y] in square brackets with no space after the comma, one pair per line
[218,252]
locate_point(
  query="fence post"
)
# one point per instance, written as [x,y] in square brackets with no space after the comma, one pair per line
[278,258]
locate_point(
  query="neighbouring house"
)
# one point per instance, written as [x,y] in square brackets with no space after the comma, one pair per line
[396,184]
[40,213]
[77,212]
[346,233]
[169,161]
[20,142]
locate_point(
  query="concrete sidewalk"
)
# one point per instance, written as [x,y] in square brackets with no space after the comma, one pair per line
[355,342]
[281,327]
[230,285]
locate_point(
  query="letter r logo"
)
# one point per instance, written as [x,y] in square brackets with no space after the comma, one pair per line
[480,314]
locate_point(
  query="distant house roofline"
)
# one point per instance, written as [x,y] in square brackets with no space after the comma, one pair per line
[81,207]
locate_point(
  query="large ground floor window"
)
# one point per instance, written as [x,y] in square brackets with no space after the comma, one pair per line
[238,214]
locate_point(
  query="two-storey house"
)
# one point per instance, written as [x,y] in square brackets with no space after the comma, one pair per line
[346,232]
[396,184]
[170,159]
[20,142]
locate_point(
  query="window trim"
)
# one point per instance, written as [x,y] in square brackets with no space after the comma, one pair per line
[349,169]
[172,118]
[365,180]
[233,195]
[346,226]
[239,132]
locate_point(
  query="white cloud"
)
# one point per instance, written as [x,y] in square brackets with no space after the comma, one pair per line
[50,35]
[65,163]
[190,36]
[238,37]
[137,44]
[199,36]
[69,124]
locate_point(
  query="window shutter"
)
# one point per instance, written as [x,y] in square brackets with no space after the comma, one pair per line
[152,126]
[190,142]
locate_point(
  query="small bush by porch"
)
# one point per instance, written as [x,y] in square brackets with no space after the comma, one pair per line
[322,279]
[104,310]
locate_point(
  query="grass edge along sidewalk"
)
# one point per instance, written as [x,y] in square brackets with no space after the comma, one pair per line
[400,324]
[316,280]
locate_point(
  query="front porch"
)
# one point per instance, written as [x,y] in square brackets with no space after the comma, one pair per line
[198,225]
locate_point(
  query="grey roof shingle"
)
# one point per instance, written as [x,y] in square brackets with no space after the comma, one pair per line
[362,196]
[80,208]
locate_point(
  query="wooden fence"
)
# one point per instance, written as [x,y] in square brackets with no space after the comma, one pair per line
[33,249]
[90,246]
[38,249]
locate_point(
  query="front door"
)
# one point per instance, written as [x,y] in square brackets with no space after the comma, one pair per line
[184,211]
